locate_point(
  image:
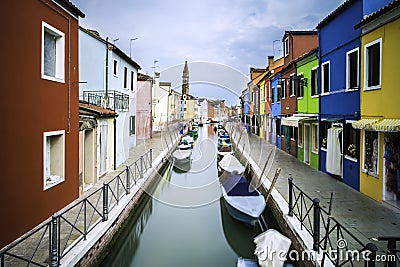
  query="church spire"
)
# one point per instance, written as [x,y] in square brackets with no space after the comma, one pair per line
[185,80]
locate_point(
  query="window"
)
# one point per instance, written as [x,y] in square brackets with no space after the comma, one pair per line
[323,132]
[292,85]
[314,81]
[351,137]
[283,88]
[53,158]
[352,71]
[132,79]
[272,91]
[115,68]
[314,137]
[299,84]
[371,146]
[300,135]
[53,55]
[325,77]
[372,68]
[279,92]
[132,125]
[125,77]
[286,47]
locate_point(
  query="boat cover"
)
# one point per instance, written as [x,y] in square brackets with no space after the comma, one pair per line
[237,185]
[231,164]
[271,241]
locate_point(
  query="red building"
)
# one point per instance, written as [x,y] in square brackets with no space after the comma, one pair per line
[40,105]
[295,44]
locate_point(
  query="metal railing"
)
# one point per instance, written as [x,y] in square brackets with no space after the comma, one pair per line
[49,242]
[113,99]
[332,238]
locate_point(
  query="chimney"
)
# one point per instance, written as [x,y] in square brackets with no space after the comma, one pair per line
[157,79]
[271,61]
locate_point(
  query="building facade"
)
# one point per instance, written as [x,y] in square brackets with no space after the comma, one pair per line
[339,83]
[110,78]
[144,115]
[380,117]
[41,111]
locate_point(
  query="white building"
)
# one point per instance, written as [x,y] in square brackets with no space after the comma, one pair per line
[109,79]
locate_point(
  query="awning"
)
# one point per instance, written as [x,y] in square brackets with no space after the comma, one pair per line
[292,121]
[387,125]
[364,124]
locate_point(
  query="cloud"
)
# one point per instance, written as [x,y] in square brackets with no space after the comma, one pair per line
[237,33]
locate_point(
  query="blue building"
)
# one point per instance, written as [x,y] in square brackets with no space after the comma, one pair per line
[339,105]
[276,97]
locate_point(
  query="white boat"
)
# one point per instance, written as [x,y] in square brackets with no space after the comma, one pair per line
[181,156]
[188,139]
[184,147]
[243,202]
[231,164]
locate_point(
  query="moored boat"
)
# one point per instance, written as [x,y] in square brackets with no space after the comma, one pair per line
[181,156]
[243,201]
[229,165]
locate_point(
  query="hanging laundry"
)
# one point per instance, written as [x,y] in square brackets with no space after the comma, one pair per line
[333,163]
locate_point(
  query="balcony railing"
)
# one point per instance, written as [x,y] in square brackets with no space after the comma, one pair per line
[113,99]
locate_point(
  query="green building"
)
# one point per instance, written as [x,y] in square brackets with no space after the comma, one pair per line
[306,84]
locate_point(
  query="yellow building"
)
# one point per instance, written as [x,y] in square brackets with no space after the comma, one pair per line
[380,112]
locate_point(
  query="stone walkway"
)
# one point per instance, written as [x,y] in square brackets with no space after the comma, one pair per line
[363,216]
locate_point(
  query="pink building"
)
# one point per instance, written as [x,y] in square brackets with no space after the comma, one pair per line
[143,107]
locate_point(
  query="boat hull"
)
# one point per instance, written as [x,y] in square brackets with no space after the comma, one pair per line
[240,216]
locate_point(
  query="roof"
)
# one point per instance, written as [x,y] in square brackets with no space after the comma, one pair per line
[71,7]
[96,110]
[336,12]
[111,46]
[306,55]
[300,32]
[165,83]
[143,77]
[378,13]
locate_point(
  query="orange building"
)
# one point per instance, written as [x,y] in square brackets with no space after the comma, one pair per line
[40,106]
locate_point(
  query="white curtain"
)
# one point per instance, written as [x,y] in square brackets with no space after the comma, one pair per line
[333,163]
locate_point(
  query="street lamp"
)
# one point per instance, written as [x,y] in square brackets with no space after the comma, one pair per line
[130,46]
[115,40]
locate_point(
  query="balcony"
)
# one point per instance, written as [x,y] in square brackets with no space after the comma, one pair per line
[113,100]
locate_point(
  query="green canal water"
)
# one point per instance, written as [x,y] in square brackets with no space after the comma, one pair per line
[184,222]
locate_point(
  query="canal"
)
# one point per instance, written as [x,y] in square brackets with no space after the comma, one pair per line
[183,222]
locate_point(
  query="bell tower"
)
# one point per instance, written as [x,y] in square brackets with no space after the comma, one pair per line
[185,81]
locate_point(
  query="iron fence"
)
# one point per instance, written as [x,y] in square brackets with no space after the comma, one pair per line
[49,242]
[112,99]
[333,239]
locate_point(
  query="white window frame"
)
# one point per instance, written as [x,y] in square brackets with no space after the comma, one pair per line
[125,78]
[115,67]
[132,126]
[300,134]
[313,144]
[60,53]
[299,84]
[348,88]
[316,82]
[286,47]
[323,78]
[132,81]
[47,184]
[363,158]
[366,63]
[283,90]
[292,77]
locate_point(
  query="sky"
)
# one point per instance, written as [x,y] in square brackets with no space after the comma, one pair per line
[238,34]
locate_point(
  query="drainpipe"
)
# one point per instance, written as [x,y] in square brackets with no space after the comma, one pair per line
[115,143]
[106,85]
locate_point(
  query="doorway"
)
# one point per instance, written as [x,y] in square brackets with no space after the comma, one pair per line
[88,159]
[306,143]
